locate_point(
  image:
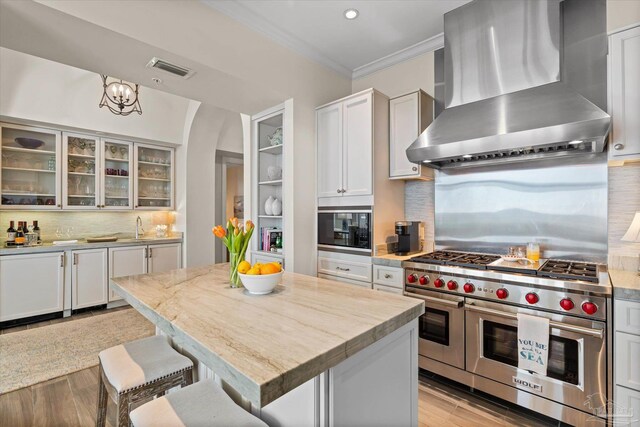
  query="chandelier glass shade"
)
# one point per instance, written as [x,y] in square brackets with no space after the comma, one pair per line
[120,97]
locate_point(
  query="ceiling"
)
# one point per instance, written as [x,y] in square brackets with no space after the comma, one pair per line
[319,30]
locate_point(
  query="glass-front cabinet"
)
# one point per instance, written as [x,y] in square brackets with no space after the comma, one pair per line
[154,175]
[30,162]
[81,170]
[117,177]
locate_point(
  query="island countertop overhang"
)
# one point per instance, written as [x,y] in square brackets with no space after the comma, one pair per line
[265,346]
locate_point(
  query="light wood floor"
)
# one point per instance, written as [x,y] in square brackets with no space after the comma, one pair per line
[70,401]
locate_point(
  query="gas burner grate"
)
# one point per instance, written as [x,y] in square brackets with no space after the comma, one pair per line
[460,259]
[437,257]
[569,270]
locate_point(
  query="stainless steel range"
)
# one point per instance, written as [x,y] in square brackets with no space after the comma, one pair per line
[469,330]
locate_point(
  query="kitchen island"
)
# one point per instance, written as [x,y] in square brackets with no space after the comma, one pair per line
[314,352]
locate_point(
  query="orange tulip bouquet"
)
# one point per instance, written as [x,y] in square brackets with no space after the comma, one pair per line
[236,238]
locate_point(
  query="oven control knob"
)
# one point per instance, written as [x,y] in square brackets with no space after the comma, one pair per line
[589,308]
[532,298]
[468,287]
[452,285]
[438,283]
[412,278]
[424,280]
[566,304]
[502,293]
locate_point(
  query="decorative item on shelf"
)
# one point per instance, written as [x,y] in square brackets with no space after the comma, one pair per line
[30,143]
[268,206]
[236,238]
[276,137]
[633,234]
[119,97]
[276,207]
[274,172]
[163,222]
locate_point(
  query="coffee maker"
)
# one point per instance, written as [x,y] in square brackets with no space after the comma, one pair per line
[408,233]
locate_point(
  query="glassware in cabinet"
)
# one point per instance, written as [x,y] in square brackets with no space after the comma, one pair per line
[80,183]
[117,174]
[154,168]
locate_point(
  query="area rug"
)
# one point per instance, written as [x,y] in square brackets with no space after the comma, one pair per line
[40,354]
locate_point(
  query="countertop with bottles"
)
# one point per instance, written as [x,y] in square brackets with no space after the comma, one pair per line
[83,244]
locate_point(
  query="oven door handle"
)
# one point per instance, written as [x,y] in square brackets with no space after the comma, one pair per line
[456,304]
[597,333]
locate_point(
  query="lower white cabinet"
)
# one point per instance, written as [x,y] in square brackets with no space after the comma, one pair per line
[345,280]
[126,261]
[89,278]
[164,257]
[627,355]
[31,285]
[385,288]
[627,407]
[626,368]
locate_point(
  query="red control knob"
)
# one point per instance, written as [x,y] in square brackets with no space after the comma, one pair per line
[566,304]
[468,287]
[438,283]
[502,293]
[589,308]
[452,285]
[532,298]
[412,278]
[424,280]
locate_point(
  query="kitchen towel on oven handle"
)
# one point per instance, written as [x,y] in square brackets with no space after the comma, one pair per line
[533,343]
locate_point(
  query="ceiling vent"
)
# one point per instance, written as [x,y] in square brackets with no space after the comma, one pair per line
[177,70]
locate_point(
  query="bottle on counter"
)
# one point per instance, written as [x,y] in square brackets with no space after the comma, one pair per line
[20,237]
[36,230]
[11,234]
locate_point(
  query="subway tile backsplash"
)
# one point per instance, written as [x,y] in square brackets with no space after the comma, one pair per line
[84,224]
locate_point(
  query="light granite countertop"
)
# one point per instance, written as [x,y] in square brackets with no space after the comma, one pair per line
[265,346]
[83,244]
[393,260]
[626,284]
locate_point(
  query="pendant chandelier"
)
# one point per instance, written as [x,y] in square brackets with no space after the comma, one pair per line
[119,97]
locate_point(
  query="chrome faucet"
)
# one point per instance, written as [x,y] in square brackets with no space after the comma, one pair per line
[139,229]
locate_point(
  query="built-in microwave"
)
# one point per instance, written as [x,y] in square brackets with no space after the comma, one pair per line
[345,230]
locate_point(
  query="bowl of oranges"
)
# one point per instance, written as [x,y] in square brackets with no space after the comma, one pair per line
[260,278]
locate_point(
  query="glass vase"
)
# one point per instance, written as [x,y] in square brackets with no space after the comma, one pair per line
[234,260]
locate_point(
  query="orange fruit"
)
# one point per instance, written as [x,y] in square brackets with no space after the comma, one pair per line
[277,265]
[243,267]
[269,269]
[254,271]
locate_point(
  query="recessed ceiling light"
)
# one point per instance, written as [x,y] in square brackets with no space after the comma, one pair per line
[351,13]
[156,80]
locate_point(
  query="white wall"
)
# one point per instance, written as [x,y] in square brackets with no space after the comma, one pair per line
[37,89]
[622,13]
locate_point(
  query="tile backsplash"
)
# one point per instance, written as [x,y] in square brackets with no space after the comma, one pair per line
[624,202]
[419,205]
[84,224]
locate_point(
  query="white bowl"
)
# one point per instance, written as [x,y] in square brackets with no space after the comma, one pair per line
[260,284]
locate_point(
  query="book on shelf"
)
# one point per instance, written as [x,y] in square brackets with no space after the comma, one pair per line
[271,239]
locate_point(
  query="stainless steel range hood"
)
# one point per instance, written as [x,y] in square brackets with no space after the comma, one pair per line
[504,98]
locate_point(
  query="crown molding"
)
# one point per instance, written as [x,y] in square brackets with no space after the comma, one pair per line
[433,43]
[246,16]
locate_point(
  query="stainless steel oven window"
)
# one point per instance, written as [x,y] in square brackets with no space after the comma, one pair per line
[434,326]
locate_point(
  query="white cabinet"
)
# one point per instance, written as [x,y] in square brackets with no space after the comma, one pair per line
[357,146]
[89,278]
[126,261]
[627,355]
[154,177]
[389,289]
[409,115]
[31,285]
[346,268]
[164,257]
[626,368]
[624,94]
[388,276]
[329,140]
[627,407]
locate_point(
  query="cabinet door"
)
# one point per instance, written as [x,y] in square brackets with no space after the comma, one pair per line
[627,408]
[357,146]
[403,130]
[624,54]
[388,289]
[117,175]
[165,257]
[329,140]
[89,278]
[31,285]
[80,171]
[30,167]
[627,354]
[126,261]
[154,177]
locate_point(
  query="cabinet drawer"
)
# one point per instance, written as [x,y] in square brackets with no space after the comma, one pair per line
[627,316]
[345,280]
[348,269]
[628,402]
[389,276]
[627,354]
[390,289]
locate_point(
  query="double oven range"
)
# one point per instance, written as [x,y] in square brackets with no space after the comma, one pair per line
[469,330]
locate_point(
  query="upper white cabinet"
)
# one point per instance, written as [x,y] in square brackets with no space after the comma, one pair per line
[163,258]
[116,174]
[154,174]
[329,139]
[624,94]
[409,115]
[89,278]
[30,161]
[357,146]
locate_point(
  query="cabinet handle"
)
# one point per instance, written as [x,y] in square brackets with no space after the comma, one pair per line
[339,191]
[342,269]
[62,260]
[618,146]
[150,253]
[387,276]
[146,253]
[415,169]
[343,191]
[75,259]
[60,206]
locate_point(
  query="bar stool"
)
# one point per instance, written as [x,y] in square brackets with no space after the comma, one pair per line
[139,370]
[201,404]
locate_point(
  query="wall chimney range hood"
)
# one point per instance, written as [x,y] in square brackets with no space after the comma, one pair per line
[505,96]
